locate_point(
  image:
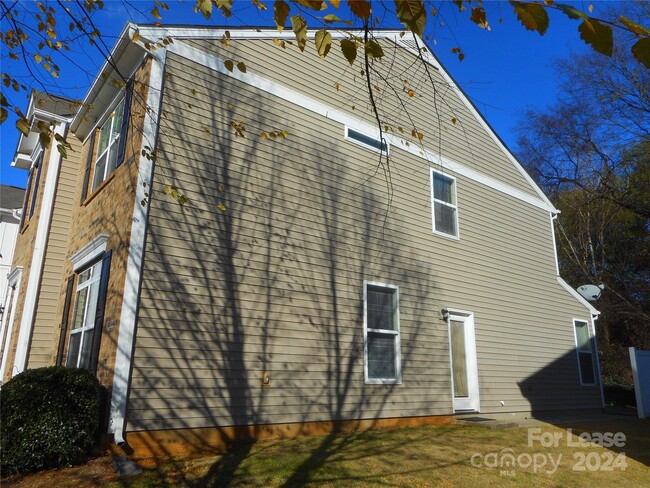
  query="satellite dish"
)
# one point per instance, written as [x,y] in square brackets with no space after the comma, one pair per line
[591,292]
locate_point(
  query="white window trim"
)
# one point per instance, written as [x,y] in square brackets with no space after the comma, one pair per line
[374,135]
[96,278]
[89,252]
[107,113]
[398,356]
[434,200]
[112,145]
[36,153]
[593,352]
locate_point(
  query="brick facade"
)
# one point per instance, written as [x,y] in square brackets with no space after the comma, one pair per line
[108,210]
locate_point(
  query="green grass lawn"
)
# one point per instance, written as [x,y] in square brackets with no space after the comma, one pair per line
[453,456]
[427,456]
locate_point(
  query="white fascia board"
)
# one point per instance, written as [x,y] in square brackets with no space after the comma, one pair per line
[577,296]
[431,59]
[215,63]
[128,318]
[46,116]
[210,33]
[38,256]
[21,161]
[397,36]
[103,78]
[30,143]
[18,154]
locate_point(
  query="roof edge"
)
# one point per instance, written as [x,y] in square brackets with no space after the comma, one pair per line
[577,296]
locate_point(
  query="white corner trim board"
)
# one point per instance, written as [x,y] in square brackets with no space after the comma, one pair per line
[14,279]
[36,268]
[126,335]
[215,63]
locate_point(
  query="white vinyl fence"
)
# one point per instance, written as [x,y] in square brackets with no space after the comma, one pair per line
[641,372]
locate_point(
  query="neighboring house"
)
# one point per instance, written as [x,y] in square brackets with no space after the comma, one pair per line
[11,203]
[35,276]
[225,281]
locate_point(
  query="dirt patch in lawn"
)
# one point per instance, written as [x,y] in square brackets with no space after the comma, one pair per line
[96,472]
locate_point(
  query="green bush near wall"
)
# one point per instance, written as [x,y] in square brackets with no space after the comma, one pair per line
[49,418]
[618,391]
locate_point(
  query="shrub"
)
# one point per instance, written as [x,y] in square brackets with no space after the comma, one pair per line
[49,418]
[618,390]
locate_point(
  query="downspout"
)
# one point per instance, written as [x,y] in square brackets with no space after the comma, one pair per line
[594,317]
[553,216]
[38,256]
[131,295]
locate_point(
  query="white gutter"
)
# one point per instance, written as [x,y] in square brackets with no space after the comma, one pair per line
[600,378]
[126,335]
[40,244]
[577,296]
[553,217]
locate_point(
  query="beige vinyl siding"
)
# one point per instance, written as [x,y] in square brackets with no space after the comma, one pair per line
[45,319]
[337,84]
[275,281]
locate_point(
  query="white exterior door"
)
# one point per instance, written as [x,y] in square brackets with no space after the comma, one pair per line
[464,369]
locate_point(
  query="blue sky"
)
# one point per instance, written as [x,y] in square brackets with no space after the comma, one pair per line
[506,70]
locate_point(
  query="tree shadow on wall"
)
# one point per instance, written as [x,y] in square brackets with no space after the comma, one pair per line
[261,274]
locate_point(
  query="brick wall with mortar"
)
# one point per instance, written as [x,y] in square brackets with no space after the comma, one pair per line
[108,210]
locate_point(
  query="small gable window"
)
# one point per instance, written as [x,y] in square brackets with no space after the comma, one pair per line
[444,205]
[371,142]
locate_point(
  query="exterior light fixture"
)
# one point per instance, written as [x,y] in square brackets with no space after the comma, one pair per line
[445,314]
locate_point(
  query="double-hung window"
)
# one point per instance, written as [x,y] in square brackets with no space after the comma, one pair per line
[585,353]
[83,319]
[84,306]
[381,333]
[445,207]
[111,138]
